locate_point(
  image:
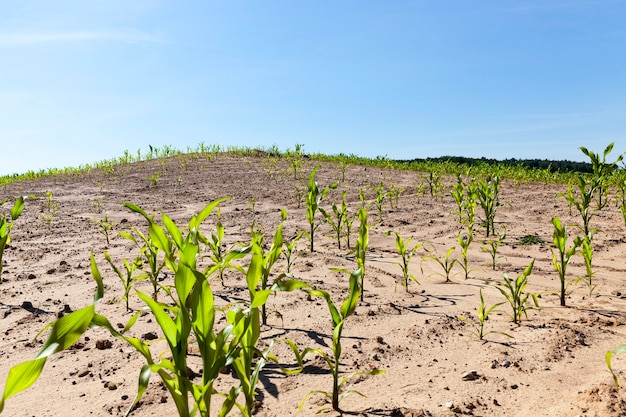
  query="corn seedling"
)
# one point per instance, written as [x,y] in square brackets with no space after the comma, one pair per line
[586,249]
[471,201]
[514,291]
[290,247]
[406,254]
[602,171]
[106,228]
[446,263]
[381,194]
[348,222]
[492,247]
[435,183]
[313,199]
[154,178]
[268,260]
[337,218]
[361,247]
[562,260]
[458,193]
[295,160]
[343,167]
[127,278]
[149,248]
[217,253]
[98,205]
[488,198]
[483,315]
[259,291]
[299,194]
[193,311]
[464,242]
[339,316]
[49,209]
[617,351]
[582,202]
[6,224]
[363,198]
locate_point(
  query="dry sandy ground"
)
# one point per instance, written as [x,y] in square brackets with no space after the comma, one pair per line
[552,366]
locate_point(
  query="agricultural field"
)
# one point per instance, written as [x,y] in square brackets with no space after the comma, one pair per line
[412,302]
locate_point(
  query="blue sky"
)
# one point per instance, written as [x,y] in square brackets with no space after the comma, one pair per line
[82,81]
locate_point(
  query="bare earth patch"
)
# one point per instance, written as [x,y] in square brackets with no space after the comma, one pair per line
[552,366]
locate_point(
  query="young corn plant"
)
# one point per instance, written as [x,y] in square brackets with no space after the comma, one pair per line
[394,194]
[587,189]
[617,351]
[458,193]
[564,256]
[464,243]
[248,372]
[492,247]
[295,160]
[586,249]
[268,260]
[339,316]
[314,197]
[221,258]
[192,311]
[602,171]
[514,291]
[361,247]
[363,198]
[406,254]
[49,208]
[488,192]
[337,218]
[289,250]
[471,201]
[483,315]
[348,223]
[446,263]
[106,228]
[6,224]
[127,278]
[150,250]
[435,183]
[381,194]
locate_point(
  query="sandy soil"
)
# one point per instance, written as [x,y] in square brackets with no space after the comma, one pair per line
[552,366]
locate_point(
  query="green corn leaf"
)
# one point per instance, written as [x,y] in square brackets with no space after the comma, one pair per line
[194,223]
[17,208]
[64,333]
[144,379]
[95,273]
[260,298]
[167,325]
[203,311]
[21,377]
[349,305]
[255,270]
[173,230]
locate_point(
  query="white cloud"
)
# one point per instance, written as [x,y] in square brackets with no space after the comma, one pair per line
[123,35]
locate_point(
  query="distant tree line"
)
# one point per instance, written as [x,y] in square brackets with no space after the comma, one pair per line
[553,166]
